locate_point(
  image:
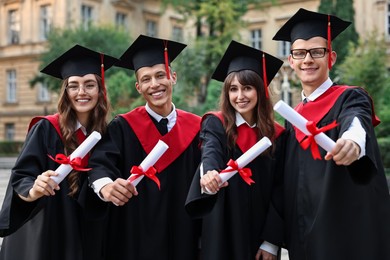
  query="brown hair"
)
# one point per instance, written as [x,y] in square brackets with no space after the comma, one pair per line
[263,112]
[97,121]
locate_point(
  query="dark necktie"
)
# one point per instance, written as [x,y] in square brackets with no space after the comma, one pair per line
[163,126]
[304,101]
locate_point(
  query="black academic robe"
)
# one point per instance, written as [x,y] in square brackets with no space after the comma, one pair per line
[154,224]
[240,216]
[336,212]
[51,227]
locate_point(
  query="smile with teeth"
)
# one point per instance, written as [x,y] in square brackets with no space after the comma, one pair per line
[158,93]
[84,100]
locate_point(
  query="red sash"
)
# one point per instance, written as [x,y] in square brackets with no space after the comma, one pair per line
[246,136]
[178,139]
[316,110]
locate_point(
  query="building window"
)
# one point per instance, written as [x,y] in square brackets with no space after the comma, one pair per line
[44,21]
[13,27]
[43,93]
[151,28]
[256,39]
[86,16]
[121,20]
[11,86]
[9,132]
[177,33]
[284,49]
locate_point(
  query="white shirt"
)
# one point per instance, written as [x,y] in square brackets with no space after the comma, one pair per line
[355,131]
[172,117]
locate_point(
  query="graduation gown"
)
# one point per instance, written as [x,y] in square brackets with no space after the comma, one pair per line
[51,227]
[336,212]
[239,217]
[154,224]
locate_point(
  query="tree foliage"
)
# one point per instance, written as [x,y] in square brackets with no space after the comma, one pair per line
[217,23]
[344,10]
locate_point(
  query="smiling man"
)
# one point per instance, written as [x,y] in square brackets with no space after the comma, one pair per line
[147,221]
[337,208]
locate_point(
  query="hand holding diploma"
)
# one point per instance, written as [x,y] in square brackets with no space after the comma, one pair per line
[74,160]
[241,162]
[315,135]
[146,166]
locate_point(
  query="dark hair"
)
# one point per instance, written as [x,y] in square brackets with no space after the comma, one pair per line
[97,121]
[263,113]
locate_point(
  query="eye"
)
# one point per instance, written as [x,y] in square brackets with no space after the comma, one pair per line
[233,89]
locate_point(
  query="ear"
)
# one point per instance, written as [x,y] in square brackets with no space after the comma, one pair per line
[138,87]
[333,57]
[174,78]
[291,61]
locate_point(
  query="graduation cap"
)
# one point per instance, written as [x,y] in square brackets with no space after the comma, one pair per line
[79,61]
[306,24]
[239,57]
[148,51]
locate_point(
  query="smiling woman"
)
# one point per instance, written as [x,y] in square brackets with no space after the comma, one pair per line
[41,219]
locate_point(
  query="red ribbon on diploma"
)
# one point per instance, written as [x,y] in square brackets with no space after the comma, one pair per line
[310,141]
[150,173]
[245,173]
[75,163]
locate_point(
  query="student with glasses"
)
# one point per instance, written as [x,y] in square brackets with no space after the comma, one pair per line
[336,204]
[40,219]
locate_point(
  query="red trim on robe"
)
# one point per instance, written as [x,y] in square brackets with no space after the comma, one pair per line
[53,119]
[318,109]
[178,139]
[246,136]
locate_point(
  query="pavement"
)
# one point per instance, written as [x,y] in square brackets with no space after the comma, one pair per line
[6,164]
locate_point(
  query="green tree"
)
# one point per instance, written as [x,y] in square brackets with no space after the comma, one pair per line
[365,66]
[106,39]
[217,23]
[344,10]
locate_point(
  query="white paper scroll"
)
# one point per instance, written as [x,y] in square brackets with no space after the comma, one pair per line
[300,122]
[158,150]
[247,157]
[64,169]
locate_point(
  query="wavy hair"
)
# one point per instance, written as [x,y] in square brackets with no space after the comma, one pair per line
[97,121]
[263,112]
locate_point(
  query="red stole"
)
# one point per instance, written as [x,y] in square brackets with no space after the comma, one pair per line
[316,110]
[178,139]
[246,135]
[54,120]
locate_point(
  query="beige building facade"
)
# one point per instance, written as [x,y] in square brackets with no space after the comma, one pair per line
[24,25]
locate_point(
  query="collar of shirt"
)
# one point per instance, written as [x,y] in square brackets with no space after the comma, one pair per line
[78,125]
[240,120]
[319,91]
[171,117]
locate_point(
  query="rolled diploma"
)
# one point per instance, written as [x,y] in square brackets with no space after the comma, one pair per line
[158,150]
[64,169]
[300,122]
[247,157]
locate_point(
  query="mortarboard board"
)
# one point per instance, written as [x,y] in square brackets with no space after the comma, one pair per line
[148,51]
[239,57]
[79,61]
[306,24]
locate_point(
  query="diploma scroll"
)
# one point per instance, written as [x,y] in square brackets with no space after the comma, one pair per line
[247,157]
[300,122]
[64,169]
[158,150]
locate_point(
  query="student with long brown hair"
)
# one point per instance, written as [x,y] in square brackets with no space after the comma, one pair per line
[41,219]
[239,220]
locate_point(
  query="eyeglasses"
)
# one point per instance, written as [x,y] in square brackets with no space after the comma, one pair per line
[89,88]
[315,53]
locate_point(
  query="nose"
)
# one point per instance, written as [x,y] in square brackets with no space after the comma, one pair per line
[82,89]
[155,82]
[308,57]
[240,94]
